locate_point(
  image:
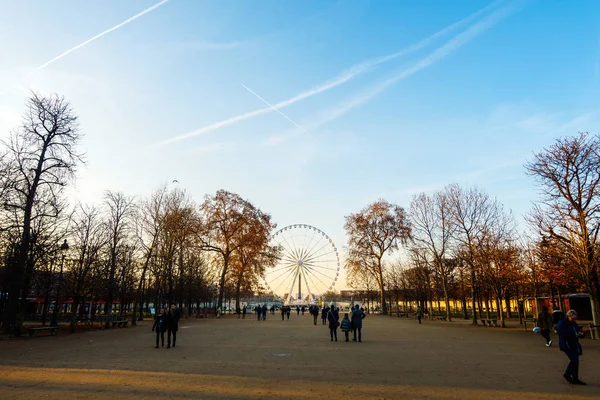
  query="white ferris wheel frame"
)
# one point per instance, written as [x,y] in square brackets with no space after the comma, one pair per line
[303,262]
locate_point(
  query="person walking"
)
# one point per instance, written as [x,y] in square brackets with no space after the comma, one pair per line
[544,322]
[297,310]
[244,310]
[159,326]
[324,314]
[283,313]
[288,311]
[258,312]
[264,312]
[172,325]
[419,314]
[357,316]
[568,340]
[346,326]
[303,309]
[333,318]
[315,314]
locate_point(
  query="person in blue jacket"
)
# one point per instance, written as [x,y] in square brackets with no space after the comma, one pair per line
[357,316]
[568,340]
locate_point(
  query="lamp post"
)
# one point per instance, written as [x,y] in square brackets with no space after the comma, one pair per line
[63,248]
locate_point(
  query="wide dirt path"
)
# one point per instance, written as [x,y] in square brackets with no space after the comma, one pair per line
[247,359]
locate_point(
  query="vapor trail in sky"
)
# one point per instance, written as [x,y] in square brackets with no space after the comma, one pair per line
[98,36]
[344,77]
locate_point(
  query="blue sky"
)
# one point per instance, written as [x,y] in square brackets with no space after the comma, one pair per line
[468,105]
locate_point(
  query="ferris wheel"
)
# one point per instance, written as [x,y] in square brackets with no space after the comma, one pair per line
[309,264]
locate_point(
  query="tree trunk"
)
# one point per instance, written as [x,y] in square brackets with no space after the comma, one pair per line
[508,307]
[74,313]
[473,296]
[222,282]
[487,305]
[500,313]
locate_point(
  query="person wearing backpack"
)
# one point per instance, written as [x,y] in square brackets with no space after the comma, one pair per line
[159,326]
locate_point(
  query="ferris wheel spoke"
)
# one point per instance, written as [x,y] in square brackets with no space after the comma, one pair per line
[316,256]
[295,247]
[290,268]
[292,287]
[293,274]
[287,267]
[287,257]
[315,270]
[307,277]
[317,278]
[306,250]
[315,253]
[307,285]
[290,250]
[317,242]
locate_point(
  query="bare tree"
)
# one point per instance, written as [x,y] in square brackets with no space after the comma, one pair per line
[374,232]
[473,212]
[568,176]
[433,230]
[89,237]
[41,160]
[119,209]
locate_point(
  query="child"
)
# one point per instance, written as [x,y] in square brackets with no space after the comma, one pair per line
[345,325]
[160,326]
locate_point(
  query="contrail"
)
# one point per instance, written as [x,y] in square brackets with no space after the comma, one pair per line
[272,106]
[437,55]
[344,77]
[114,28]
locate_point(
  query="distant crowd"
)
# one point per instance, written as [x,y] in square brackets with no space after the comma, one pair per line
[330,315]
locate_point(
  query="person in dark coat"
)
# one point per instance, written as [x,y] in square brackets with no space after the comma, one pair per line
[283,313]
[333,318]
[244,310]
[357,316]
[258,312]
[172,325]
[264,312]
[288,311]
[315,313]
[303,309]
[160,326]
[324,314]
[557,316]
[545,322]
[568,340]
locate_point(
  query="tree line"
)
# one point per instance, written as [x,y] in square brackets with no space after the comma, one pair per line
[460,244]
[166,248]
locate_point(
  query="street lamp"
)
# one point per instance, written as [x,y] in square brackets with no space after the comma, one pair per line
[63,248]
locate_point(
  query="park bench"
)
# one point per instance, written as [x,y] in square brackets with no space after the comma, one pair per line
[121,324]
[489,322]
[525,321]
[52,330]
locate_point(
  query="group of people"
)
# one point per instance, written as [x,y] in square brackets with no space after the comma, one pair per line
[352,323]
[568,339]
[167,321]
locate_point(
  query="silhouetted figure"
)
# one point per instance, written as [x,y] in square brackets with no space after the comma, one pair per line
[357,316]
[244,310]
[258,312]
[160,326]
[303,308]
[545,323]
[419,314]
[297,310]
[324,314]
[172,325]
[568,341]
[332,317]
[264,312]
[288,311]
[315,314]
